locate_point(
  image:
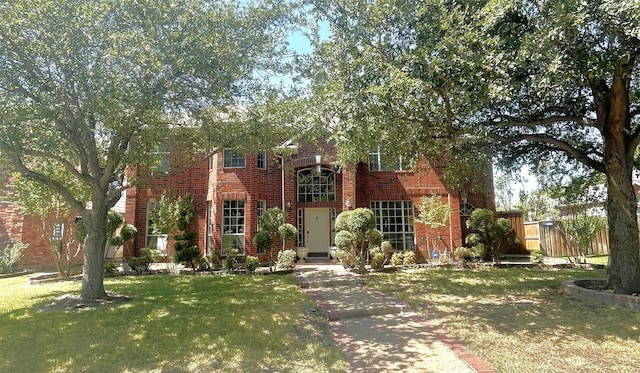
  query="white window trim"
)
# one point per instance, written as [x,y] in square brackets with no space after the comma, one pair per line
[224,158]
[380,226]
[379,157]
[261,154]
[244,224]
[161,239]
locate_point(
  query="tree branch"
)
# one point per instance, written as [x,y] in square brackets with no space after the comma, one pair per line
[554,144]
[38,177]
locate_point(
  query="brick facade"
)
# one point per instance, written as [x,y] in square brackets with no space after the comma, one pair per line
[27,229]
[210,184]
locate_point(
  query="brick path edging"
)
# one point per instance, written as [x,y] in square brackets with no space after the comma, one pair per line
[350,349]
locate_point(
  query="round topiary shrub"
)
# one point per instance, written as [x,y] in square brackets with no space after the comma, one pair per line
[396,259]
[409,258]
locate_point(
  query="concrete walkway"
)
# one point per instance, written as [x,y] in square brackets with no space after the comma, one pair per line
[379,333]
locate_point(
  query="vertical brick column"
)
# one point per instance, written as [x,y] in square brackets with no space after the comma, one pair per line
[348,187]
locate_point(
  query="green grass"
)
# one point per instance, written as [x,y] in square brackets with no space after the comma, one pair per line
[172,324]
[600,259]
[518,321]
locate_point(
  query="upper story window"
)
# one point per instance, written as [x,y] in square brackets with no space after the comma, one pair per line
[316,187]
[381,162]
[161,158]
[262,159]
[233,159]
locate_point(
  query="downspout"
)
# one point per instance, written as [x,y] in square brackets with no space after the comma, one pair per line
[282,177]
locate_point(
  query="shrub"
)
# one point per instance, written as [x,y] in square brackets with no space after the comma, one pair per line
[479,251]
[230,259]
[136,263]
[377,258]
[109,267]
[396,259]
[251,263]
[203,264]
[537,257]
[10,255]
[286,259]
[409,258]
[186,249]
[346,257]
[495,235]
[387,248]
[463,254]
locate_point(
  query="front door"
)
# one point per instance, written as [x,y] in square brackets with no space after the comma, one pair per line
[318,230]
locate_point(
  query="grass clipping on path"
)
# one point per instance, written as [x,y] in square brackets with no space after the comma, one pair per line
[518,321]
[170,324]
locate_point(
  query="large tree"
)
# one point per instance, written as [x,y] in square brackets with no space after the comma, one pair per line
[91,87]
[456,80]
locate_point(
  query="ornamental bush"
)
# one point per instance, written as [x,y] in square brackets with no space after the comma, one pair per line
[409,258]
[377,258]
[10,255]
[286,259]
[396,259]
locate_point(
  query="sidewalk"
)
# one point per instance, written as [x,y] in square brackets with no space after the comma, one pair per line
[379,333]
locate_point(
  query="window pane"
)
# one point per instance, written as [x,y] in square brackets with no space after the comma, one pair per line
[395,220]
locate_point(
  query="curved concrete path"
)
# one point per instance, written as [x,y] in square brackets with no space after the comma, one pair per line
[379,333]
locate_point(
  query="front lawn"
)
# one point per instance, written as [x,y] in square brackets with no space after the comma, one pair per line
[172,324]
[517,320]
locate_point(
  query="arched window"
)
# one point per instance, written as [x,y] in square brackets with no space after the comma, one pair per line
[316,187]
[465,213]
[466,209]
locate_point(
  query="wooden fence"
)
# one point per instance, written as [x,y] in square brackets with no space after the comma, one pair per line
[517,222]
[549,237]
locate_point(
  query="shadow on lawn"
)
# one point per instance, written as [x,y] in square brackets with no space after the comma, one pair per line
[511,301]
[176,324]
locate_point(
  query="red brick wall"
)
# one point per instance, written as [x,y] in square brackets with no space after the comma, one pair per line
[176,183]
[410,186]
[250,184]
[16,227]
[11,220]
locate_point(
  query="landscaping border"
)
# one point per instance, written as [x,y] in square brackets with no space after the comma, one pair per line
[582,289]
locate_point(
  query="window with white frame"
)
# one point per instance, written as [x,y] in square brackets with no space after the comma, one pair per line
[316,187]
[395,220]
[233,159]
[209,243]
[300,227]
[262,159]
[381,162]
[161,158]
[262,207]
[154,239]
[232,226]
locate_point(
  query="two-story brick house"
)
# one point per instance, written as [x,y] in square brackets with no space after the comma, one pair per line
[231,190]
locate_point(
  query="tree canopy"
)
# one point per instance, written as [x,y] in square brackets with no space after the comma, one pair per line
[457,81]
[91,88]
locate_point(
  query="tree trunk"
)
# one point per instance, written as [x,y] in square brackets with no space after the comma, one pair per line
[93,271]
[624,244]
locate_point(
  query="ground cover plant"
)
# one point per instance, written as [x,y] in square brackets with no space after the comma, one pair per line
[516,319]
[170,324]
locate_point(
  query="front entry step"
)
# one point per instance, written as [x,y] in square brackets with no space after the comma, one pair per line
[318,255]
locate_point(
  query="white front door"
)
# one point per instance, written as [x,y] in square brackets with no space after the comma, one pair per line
[317,229]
